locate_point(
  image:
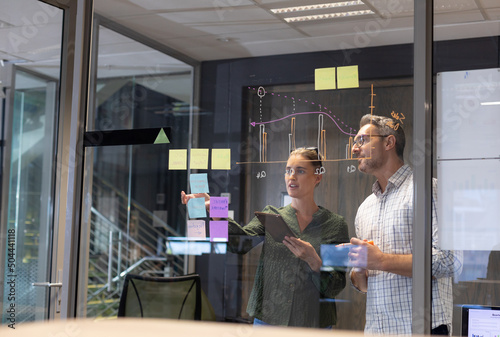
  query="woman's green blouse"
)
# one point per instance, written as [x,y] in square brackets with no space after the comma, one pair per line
[286,291]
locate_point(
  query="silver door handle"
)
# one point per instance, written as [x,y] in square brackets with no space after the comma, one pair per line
[110,262]
[47,284]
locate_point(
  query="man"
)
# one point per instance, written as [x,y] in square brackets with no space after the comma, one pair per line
[384,269]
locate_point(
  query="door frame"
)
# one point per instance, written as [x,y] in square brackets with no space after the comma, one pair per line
[73,104]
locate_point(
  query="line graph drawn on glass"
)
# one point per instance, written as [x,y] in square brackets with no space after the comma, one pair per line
[347,132]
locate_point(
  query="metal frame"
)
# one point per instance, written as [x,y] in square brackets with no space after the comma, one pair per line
[88,154]
[422,173]
[73,102]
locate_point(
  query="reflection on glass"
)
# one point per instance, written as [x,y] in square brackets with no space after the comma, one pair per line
[130,214]
[137,86]
[187,246]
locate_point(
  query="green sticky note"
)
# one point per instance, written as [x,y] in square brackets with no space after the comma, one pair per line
[347,77]
[162,138]
[324,79]
[177,159]
[221,159]
[199,159]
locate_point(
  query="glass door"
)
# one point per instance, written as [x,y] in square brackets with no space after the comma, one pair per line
[29,73]
[29,198]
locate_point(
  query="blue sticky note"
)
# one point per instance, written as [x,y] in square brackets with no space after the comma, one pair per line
[196,208]
[219,207]
[198,183]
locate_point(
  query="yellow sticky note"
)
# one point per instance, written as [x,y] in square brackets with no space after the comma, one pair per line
[347,77]
[177,159]
[221,159]
[324,78]
[199,159]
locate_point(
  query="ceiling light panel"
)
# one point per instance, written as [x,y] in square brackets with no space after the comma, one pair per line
[325,6]
[322,11]
[325,16]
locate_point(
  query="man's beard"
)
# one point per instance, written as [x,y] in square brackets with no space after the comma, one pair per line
[369,165]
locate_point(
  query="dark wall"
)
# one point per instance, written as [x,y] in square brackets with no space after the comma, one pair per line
[224,82]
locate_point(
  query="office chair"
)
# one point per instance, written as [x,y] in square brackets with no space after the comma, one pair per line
[161,297]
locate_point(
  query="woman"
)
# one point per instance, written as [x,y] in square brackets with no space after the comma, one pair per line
[288,283]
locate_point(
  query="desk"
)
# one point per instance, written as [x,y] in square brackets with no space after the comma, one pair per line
[133,327]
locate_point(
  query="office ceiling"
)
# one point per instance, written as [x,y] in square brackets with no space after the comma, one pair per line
[222,29]
[30,32]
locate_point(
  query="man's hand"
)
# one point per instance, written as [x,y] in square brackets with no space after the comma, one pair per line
[367,256]
[363,254]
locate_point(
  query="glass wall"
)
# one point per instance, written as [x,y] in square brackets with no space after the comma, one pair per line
[466,113]
[141,111]
[261,108]
[256,107]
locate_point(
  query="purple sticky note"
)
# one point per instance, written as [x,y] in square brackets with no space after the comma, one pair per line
[218,207]
[218,231]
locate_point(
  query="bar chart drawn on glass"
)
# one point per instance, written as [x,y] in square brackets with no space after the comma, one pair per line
[321,112]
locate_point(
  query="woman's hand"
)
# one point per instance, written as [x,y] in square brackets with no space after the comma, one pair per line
[304,251]
[185,198]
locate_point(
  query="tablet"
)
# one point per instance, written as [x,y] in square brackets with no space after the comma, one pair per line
[275,225]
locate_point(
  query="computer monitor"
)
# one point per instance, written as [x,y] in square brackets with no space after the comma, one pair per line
[480,321]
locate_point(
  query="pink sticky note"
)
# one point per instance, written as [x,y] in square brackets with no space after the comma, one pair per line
[218,207]
[196,229]
[218,231]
